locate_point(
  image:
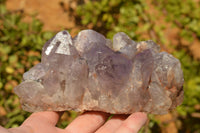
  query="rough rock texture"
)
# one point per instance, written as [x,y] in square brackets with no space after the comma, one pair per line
[84,73]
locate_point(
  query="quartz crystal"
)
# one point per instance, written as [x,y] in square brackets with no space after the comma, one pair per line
[92,73]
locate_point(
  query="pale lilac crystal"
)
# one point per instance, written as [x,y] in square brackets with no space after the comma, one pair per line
[89,72]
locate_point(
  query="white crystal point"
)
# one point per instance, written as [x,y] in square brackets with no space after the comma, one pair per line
[64,39]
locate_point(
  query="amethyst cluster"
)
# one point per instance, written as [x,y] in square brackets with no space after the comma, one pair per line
[90,72]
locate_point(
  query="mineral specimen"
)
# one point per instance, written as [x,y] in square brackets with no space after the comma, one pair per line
[89,72]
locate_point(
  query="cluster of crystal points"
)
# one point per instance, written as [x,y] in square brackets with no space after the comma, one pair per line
[90,72]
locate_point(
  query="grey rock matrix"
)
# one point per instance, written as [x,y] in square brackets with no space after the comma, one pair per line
[90,72]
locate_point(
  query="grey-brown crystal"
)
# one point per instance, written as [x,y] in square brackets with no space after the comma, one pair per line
[90,72]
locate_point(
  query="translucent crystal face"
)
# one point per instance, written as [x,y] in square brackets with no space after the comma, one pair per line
[90,72]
